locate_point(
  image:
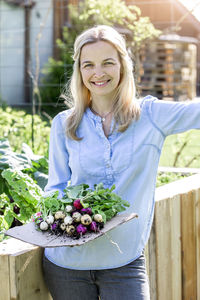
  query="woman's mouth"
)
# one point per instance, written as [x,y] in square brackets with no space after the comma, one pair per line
[100,83]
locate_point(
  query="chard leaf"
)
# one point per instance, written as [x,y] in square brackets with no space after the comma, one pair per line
[8,219]
[23,185]
[41,179]
[10,159]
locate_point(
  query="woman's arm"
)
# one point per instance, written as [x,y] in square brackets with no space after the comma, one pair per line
[173,117]
[59,171]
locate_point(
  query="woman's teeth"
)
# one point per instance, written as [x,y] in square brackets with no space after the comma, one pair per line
[101,83]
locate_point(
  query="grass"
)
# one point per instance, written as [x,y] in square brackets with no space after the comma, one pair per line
[190,154]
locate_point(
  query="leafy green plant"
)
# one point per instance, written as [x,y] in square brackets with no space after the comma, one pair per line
[100,200]
[17,127]
[127,18]
[22,178]
[165,178]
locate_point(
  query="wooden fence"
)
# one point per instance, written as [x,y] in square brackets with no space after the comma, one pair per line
[173,251]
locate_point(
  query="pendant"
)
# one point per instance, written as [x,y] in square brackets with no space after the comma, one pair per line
[103,119]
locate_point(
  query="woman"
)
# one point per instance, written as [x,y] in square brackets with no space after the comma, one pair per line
[108,136]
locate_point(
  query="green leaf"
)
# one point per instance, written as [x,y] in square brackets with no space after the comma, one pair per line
[41,179]
[8,219]
[23,185]
[76,191]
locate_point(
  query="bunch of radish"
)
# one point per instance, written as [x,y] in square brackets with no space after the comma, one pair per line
[74,221]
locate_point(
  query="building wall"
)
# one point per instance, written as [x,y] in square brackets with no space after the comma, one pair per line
[12,51]
[41,11]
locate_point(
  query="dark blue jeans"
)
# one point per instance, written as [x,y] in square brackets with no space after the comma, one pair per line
[129,282]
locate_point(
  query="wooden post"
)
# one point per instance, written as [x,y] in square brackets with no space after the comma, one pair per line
[176,278]
[4,278]
[168,249]
[21,272]
[163,249]
[152,262]
[189,275]
[197,204]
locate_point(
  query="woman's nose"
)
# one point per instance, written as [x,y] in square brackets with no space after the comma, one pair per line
[99,72]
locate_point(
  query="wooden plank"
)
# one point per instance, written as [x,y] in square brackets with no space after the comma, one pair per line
[189,276]
[29,234]
[26,278]
[163,249]
[168,249]
[176,247]
[152,263]
[4,278]
[197,201]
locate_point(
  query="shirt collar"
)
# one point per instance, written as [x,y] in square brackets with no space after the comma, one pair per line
[96,118]
[91,115]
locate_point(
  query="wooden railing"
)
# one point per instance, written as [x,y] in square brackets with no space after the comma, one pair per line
[173,251]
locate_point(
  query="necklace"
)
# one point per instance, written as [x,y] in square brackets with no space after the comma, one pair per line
[103,118]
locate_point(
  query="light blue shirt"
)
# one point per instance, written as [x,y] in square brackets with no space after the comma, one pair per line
[129,160]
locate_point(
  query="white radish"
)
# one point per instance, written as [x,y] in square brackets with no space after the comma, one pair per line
[44,226]
[50,219]
[62,226]
[68,208]
[76,217]
[86,219]
[59,215]
[98,218]
[70,229]
[68,220]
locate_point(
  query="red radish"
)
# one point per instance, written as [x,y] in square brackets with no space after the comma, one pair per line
[77,204]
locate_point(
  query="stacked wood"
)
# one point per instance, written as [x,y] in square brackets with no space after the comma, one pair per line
[168,68]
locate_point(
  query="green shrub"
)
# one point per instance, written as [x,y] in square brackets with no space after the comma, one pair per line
[23,176]
[17,127]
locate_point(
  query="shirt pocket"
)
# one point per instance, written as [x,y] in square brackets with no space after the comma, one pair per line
[92,155]
[123,151]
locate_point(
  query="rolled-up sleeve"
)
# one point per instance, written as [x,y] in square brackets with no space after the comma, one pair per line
[59,171]
[174,117]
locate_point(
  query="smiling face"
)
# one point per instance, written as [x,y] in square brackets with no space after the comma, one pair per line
[100,69]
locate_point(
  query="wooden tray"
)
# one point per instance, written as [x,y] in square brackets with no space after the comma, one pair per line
[29,234]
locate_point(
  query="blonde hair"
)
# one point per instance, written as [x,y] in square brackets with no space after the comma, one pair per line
[125,106]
